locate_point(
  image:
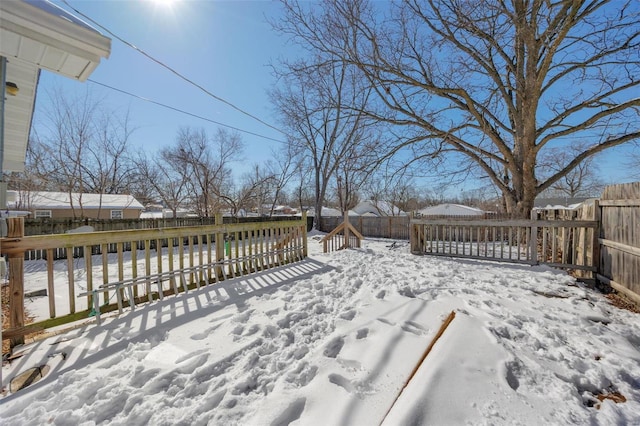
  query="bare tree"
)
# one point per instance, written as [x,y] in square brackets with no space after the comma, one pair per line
[270,179]
[107,166]
[633,160]
[157,179]
[389,190]
[321,103]
[85,148]
[582,181]
[495,83]
[203,163]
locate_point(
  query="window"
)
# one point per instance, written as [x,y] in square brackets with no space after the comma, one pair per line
[116,214]
[42,213]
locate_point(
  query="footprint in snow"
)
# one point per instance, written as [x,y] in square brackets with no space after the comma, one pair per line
[351,364]
[302,375]
[243,317]
[205,334]
[291,413]
[341,381]
[362,333]
[334,347]
[358,388]
[407,292]
[348,315]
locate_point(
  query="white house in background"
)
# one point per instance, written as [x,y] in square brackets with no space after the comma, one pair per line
[558,203]
[56,205]
[377,208]
[163,213]
[450,210]
[278,210]
[326,212]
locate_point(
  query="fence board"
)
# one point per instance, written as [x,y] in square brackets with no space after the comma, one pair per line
[620,238]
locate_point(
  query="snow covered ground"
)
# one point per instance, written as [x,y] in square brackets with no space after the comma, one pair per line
[332,341]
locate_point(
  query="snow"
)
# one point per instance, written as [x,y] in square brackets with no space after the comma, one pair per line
[333,340]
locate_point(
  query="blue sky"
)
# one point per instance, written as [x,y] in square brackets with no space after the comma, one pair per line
[224,46]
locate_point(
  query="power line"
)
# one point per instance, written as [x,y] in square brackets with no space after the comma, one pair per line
[162,64]
[184,112]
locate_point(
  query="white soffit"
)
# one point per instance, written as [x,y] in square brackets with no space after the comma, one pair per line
[36,34]
[18,113]
[43,34]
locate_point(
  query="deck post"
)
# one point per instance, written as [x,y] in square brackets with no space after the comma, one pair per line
[413,240]
[219,246]
[346,230]
[15,229]
[533,240]
[304,235]
[595,253]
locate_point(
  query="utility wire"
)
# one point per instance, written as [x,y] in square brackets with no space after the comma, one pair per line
[184,112]
[162,64]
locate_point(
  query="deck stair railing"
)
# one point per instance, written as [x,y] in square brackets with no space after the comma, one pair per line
[167,261]
[343,236]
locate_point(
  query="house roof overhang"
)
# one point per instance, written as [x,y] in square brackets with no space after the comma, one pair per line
[34,35]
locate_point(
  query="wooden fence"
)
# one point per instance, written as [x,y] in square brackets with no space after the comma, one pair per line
[393,227]
[619,214]
[44,226]
[209,253]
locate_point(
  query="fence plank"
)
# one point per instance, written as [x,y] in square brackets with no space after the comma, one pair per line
[619,237]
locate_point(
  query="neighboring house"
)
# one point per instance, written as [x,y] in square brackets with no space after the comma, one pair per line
[278,210]
[377,208]
[56,205]
[558,203]
[326,212]
[163,213]
[451,210]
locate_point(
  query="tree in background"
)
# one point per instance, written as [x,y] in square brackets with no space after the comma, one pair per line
[491,84]
[320,103]
[86,149]
[272,177]
[158,180]
[583,181]
[203,164]
[633,161]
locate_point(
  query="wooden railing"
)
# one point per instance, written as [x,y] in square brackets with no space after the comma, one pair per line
[155,260]
[343,236]
[556,243]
